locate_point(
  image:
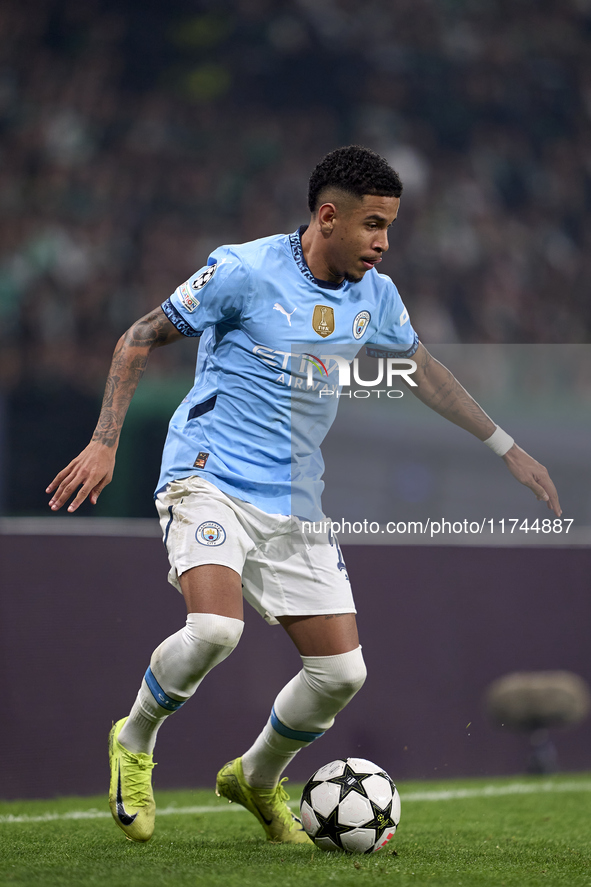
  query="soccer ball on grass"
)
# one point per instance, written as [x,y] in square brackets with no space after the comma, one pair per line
[350,805]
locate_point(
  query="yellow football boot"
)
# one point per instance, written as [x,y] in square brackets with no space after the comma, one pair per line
[130,795]
[268,805]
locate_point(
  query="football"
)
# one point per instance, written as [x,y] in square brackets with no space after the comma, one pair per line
[350,805]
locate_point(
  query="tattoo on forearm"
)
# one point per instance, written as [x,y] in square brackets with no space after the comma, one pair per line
[444,394]
[150,332]
[450,398]
[108,428]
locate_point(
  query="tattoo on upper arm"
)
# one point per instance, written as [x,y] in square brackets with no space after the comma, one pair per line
[152,331]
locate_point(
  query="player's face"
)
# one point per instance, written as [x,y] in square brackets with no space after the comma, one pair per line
[359,236]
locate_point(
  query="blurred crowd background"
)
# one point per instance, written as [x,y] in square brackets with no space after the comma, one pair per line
[137,135]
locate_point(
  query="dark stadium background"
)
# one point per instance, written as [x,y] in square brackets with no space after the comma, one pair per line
[137,136]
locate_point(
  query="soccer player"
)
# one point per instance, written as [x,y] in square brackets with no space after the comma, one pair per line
[241,469]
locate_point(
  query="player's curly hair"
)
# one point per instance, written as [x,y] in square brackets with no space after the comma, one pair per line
[355,170]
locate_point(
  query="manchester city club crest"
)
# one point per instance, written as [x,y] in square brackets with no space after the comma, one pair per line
[204,277]
[360,323]
[210,533]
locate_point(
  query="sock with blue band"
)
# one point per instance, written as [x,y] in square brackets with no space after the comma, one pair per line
[303,710]
[176,669]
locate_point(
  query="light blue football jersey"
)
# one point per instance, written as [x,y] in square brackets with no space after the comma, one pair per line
[253,423]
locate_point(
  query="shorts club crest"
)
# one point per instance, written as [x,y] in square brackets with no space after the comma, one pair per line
[210,533]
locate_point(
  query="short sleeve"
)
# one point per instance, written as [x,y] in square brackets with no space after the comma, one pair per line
[215,293]
[395,336]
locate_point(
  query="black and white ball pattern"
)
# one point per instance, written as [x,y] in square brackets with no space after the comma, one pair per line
[350,805]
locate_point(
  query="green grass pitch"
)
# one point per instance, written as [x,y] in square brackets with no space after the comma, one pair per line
[515,832]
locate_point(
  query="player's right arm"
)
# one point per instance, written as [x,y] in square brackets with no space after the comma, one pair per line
[91,471]
[439,389]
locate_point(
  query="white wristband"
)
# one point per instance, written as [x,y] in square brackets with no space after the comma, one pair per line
[500,442]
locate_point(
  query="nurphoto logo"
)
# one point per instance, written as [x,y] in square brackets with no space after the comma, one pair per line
[388,368]
[327,374]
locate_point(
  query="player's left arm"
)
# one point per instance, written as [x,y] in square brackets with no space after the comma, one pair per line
[439,389]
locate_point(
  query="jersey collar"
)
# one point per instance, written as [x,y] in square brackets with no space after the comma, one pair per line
[295,241]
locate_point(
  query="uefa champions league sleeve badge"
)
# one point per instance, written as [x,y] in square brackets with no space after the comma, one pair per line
[204,277]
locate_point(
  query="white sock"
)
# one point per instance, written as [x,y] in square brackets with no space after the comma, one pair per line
[265,761]
[303,710]
[177,667]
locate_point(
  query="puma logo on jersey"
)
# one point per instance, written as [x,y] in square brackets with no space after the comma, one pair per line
[278,307]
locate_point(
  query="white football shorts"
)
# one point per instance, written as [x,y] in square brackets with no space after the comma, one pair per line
[284,571]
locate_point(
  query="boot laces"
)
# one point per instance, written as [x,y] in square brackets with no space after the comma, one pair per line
[277,798]
[138,779]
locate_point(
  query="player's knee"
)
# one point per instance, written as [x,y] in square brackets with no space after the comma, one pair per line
[352,674]
[221,631]
[187,656]
[339,677]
